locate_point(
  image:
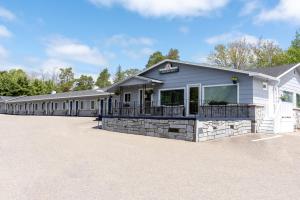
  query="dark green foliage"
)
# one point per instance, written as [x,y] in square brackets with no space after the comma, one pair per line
[157,56]
[103,79]
[84,83]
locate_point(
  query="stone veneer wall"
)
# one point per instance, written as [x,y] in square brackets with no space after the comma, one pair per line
[256,114]
[210,130]
[165,128]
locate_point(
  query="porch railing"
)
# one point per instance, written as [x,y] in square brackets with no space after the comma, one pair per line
[152,109]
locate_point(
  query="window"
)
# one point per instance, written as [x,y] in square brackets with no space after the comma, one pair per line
[92,105]
[172,97]
[298,100]
[265,86]
[287,96]
[127,97]
[64,105]
[81,105]
[56,106]
[36,106]
[227,94]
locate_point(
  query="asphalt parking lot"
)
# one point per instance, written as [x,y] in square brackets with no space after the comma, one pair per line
[67,158]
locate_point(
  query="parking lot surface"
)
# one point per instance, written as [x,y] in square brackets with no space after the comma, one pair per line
[68,158]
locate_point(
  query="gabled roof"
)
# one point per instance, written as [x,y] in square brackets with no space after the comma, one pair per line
[277,71]
[250,73]
[66,95]
[143,80]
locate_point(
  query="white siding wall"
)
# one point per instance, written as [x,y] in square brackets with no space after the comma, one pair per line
[291,82]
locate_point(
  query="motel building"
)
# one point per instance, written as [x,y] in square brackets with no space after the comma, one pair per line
[183,100]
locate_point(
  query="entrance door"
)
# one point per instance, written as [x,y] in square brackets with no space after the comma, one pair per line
[76,108]
[101,106]
[71,107]
[271,102]
[148,101]
[193,99]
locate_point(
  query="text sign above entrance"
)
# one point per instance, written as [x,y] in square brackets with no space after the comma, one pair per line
[169,69]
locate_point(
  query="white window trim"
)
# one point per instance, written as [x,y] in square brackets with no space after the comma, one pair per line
[188,86]
[139,95]
[168,89]
[266,84]
[124,101]
[218,85]
[91,105]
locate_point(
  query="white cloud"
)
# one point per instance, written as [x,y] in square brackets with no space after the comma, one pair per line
[6,14]
[133,47]
[286,10]
[4,32]
[250,7]
[166,8]
[70,50]
[125,41]
[231,36]
[137,54]
[3,52]
[184,29]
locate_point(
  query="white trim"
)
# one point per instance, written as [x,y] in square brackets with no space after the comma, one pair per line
[220,85]
[124,101]
[188,86]
[139,94]
[286,72]
[265,84]
[168,89]
[91,105]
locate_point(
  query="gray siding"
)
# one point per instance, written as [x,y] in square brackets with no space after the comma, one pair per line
[193,75]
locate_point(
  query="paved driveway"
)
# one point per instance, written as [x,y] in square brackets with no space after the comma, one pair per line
[65,158]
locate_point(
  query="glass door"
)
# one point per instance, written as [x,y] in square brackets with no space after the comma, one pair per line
[193,99]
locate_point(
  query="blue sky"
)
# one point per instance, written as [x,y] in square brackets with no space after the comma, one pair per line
[88,35]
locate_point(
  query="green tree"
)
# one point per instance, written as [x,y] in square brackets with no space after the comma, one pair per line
[155,58]
[293,52]
[66,79]
[267,54]
[241,54]
[37,87]
[84,83]
[14,83]
[173,54]
[103,79]
[119,76]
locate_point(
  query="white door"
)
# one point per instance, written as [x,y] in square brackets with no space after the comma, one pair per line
[271,102]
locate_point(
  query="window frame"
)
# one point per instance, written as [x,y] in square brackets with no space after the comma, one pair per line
[292,96]
[127,93]
[265,85]
[170,89]
[92,103]
[221,85]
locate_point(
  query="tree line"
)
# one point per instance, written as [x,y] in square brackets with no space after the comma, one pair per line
[240,54]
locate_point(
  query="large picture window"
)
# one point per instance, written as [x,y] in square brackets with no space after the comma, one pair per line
[172,97]
[226,94]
